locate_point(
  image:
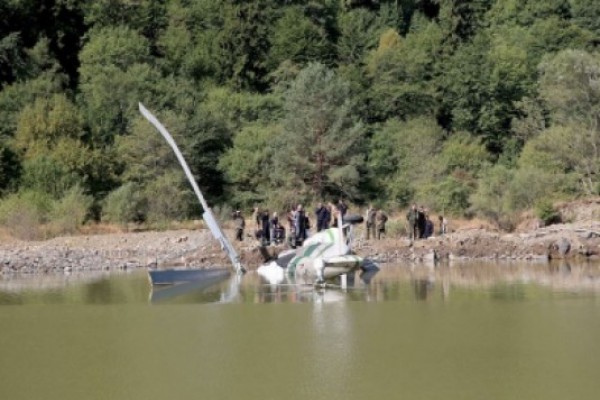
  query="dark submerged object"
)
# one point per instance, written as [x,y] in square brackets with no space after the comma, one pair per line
[175,276]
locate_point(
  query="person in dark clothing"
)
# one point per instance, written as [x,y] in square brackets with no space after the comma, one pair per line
[256,217]
[323,216]
[277,230]
[240,224]
[300,225]
[421,222]
[428,227]
[278,234]
[266,232]
[273,222]
[412,217]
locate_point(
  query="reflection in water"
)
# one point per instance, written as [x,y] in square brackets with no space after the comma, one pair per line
[423,288]
[417,282]
[509,281]
[162,293]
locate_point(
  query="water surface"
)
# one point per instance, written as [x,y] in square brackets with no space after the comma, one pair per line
[463,332]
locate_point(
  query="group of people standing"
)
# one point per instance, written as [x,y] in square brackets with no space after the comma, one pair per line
[269,229]
[420,225]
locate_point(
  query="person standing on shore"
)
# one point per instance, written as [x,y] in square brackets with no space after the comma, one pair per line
[421,222]
[381,221]
[323,217]
[428,227]
[370,221]
[443,225]
[300,225]
[266,232]
[273,223]
[256,218]
[412,217]
[239,224]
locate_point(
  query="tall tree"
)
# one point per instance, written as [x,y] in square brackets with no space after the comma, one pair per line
[115,76]
[402,72]
[243,42]
[319,151]
[298,39]
[570,86]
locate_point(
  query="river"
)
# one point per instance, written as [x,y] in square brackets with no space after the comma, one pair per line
[473,331]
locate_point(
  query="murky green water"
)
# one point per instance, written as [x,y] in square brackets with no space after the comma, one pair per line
[468,332]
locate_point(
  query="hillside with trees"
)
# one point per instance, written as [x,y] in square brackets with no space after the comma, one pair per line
[480,107]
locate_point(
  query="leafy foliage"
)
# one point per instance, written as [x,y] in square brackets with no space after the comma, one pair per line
[319,152]
[123,205]
[483,106]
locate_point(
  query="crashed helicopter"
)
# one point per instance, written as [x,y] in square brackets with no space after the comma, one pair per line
[324,255]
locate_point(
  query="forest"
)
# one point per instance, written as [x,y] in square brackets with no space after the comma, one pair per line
[470,107]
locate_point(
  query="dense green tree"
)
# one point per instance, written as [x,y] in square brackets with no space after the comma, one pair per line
[586,14]
[527,12]
[483,81]
[10,167]
[50,139]
[12,58]
[144,154]
[248,164]
[460,20]
[296,38]
[570,86]
[401,71]
[60,22]
[401,156]
[319,151]
[243,43]
[359,33]
[45,122]
[490,199]
[167,199]
[454,174]
[115,76]
[418,98]
[147,17]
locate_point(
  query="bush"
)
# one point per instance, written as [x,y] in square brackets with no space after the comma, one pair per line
[24,213]
[545,211]
[43,174]
[123,205]
[70,212]
[396,229]
[450,195]
[166,199]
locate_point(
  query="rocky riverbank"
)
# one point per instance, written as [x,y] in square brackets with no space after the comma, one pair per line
[579,240]
[564,241]
[106,252]
[196,248]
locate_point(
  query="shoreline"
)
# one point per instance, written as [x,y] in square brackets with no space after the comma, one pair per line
[197,249]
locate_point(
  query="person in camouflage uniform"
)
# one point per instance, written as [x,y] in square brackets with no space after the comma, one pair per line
[412,217]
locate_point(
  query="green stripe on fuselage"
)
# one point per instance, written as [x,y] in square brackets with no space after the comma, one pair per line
[306,254]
